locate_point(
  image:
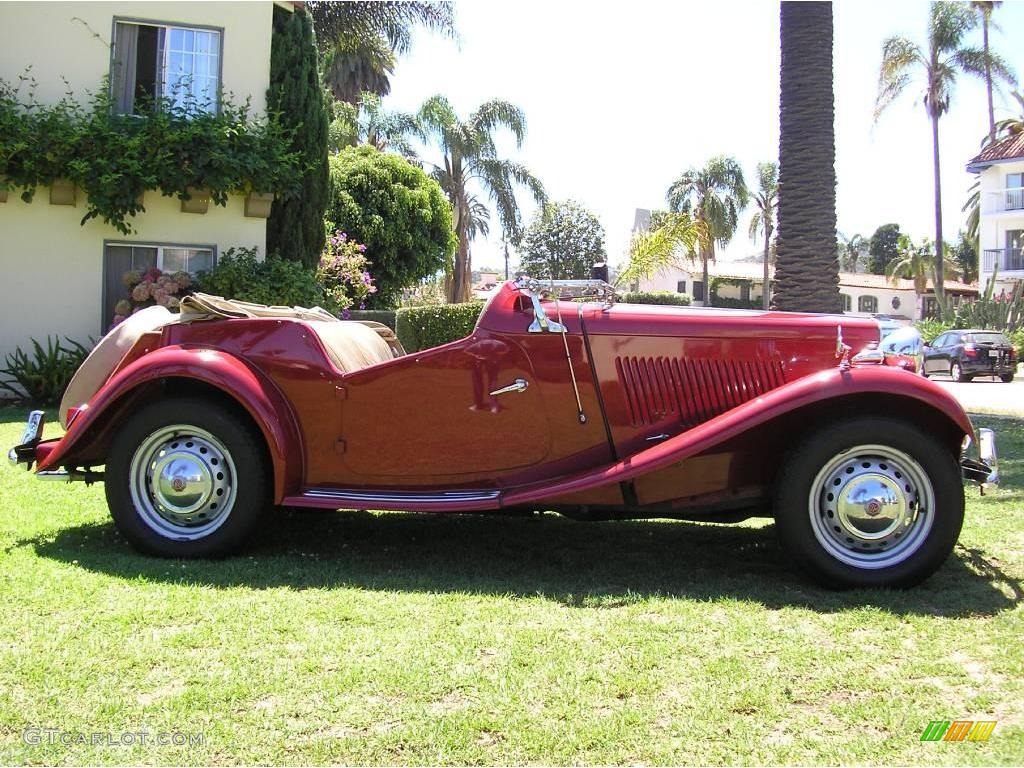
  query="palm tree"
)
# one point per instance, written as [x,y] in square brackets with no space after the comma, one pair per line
[713,196]
[369,123]
[806,267]
[766,200]
[1012,126]
[938,65]
[470,159]
[984,9]
[361,39]
[915,262]
[353,65]
[851,251]
[672,239]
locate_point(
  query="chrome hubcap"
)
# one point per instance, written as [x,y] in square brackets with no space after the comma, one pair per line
[871,506]
[183,482]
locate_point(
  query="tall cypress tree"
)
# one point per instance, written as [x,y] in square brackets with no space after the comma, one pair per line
[295,228]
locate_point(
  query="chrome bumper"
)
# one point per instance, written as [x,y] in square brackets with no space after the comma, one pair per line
[25,451]
[981,466]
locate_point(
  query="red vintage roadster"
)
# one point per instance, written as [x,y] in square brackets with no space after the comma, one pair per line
[559,400]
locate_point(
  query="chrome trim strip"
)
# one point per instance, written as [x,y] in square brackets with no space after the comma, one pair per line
[398,497]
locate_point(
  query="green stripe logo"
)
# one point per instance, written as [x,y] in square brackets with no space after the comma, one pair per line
[935,730]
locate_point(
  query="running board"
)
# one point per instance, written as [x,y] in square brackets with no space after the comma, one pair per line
[408,501]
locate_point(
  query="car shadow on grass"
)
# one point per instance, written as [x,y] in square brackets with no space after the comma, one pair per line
[577,564]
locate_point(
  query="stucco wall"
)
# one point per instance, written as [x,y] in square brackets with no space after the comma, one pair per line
[71,42]
[994,223]
[53,268]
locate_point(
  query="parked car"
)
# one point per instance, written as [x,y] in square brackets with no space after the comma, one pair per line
[965,354]
[904,347]
[599,411]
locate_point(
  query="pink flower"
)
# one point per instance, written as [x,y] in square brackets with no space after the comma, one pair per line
[140,292]
[123,307]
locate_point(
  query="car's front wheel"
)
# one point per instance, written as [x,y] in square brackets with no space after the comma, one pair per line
[870,502]
[186,478]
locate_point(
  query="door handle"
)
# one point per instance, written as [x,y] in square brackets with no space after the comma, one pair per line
[519,385]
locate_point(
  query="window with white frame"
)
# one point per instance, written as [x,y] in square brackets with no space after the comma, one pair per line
[153,61]
[121,258]
[847,301]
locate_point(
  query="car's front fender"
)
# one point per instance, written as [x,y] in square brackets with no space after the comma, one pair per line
[831,385]
[261,399]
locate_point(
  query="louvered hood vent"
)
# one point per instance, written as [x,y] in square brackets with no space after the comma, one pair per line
[691,390]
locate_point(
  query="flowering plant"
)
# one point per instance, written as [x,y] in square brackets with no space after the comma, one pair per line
[344,273]
[151,287]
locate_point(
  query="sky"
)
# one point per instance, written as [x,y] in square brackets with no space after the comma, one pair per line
[621,98]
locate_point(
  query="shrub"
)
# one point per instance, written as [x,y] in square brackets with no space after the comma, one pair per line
[44,375]
[1017,339]
[238,275]
[343,275]
[425,327]
[931,329]
[398,211]
[726,302]
[657,297]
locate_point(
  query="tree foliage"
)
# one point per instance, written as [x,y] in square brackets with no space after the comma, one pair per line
[368,122]
[883,248]
[965,255]
[766,202]
[295,228]
[670,242]
[361,39]
[563,242]
[397,211]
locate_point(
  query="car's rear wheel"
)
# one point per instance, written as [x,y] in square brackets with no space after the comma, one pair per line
[186,478]
[957,373]
[870,502]
[1006,378]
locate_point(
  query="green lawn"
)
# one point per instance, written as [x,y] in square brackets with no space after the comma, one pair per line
[390,638]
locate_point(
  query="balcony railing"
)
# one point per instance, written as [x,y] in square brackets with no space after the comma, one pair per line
[1001,200]
[1006,259]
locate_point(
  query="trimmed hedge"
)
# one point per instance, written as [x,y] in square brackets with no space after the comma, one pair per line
[425,327]
[657,297]
[385,316]
[726,302]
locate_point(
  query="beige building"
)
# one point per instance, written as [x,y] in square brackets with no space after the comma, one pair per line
[1000,170]
[61,276]
[863,294]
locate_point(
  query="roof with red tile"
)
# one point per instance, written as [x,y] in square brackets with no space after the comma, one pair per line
[1010,148]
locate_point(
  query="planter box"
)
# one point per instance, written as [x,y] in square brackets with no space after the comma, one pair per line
[62,192]
[257,204]
[198,202]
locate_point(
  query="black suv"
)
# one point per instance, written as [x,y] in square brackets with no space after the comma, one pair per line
[966,354]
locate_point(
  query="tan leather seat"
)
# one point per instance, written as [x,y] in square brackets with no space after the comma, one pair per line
[108,353]
[351,346]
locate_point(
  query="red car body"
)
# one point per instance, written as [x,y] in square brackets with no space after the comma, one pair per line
[633,411]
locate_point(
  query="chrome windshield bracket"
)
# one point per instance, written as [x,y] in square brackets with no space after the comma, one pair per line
[560,289]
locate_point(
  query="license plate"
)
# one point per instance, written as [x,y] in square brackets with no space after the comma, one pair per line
[993,353]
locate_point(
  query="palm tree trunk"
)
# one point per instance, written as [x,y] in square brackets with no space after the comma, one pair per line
[988,82]
[766,289]
[940,293]
[807,265]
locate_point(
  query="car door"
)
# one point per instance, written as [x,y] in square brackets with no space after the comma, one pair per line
[933,355]
[465,409]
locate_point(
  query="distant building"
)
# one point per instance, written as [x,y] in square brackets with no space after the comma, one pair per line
[1000,170]
[741,284]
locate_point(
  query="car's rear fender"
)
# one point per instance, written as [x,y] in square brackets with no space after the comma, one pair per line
[878,390]
[215,371]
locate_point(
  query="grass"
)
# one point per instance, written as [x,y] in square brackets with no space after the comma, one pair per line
[408,639]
